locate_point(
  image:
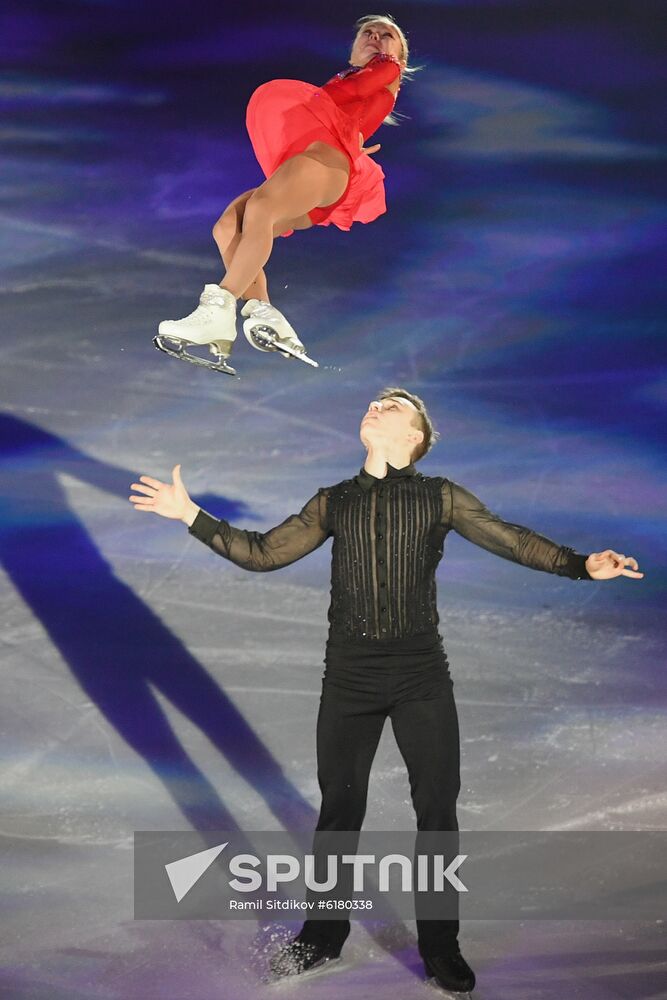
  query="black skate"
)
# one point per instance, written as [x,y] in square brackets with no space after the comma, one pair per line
[451,973]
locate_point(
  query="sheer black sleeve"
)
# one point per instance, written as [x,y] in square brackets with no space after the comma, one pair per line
[468,516]
[263,551]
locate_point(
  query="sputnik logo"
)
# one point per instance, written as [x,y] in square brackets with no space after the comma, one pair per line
[186,872]
[280,868]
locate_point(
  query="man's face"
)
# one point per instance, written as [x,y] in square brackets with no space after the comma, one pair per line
[390,422]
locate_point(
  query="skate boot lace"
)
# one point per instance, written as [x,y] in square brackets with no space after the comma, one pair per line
[204,313]
[264,310]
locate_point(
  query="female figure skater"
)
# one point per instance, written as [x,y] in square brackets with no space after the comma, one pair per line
[309,142]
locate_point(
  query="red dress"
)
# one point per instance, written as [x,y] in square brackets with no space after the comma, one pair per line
[285,116]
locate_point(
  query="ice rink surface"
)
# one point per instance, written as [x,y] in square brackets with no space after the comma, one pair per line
[516,283]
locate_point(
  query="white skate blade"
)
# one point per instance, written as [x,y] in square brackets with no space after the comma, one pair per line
[175,347]
[290,979]
[265,339]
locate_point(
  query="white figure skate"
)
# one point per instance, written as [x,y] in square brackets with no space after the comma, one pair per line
[267,329]
[212,324]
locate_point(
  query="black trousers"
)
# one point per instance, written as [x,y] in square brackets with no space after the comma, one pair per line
[408,681]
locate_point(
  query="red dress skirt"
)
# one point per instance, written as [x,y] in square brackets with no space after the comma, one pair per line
[285,116]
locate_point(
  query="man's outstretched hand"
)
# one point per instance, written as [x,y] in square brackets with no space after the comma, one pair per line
[609,564]
[167,499]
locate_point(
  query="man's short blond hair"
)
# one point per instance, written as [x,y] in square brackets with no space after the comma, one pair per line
[421,419]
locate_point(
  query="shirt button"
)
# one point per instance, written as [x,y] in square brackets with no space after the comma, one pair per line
[381,562]
[380,493]
[382,583]
[380,536]
[383,610]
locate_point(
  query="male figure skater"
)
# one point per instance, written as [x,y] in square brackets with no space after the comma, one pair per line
[384,656]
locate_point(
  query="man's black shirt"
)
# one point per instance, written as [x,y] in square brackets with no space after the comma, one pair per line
[388,538]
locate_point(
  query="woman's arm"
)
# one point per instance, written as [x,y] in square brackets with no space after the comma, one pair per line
[381,71]
[253,550]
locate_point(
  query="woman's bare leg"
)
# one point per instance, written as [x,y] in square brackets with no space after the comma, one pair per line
[317,177]
[227,234]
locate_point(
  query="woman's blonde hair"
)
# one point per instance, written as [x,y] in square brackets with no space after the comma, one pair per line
[409,70]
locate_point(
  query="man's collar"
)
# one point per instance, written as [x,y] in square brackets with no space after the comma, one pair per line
[367,481]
